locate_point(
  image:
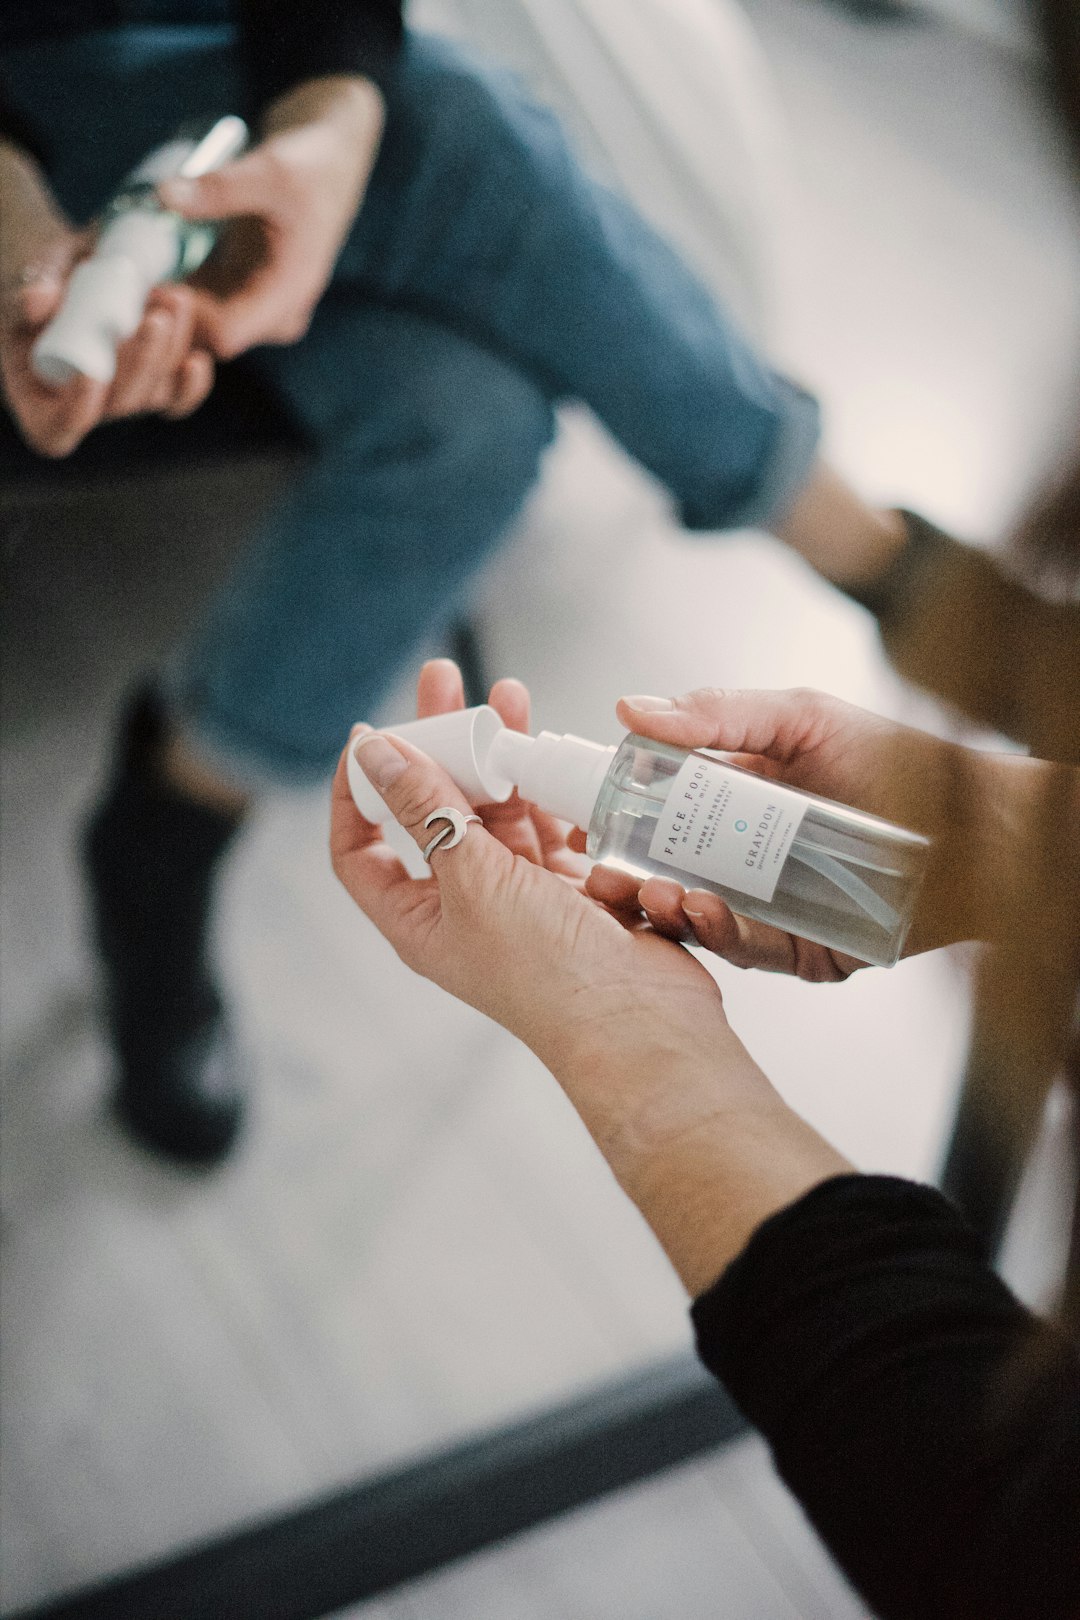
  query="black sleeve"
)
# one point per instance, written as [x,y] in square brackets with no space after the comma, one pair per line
[284,42]
[928,1423]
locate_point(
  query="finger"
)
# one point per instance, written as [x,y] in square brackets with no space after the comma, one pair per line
[520,826]
[268,308]
[250,185]
[782,725]
[555,850]
[661,900]
[615,889]
[80,406]
[195,382]
[141,366]
[550,840]
[349,830]
[36,293]
[413,788]
[510,700]
[439,688]
[366,866]
[180,305]
[32,303]
[739,940]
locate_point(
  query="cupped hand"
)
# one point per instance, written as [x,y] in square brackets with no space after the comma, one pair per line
[837,751]
[290,202]
[503,922]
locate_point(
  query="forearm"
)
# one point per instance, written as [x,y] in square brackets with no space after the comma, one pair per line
[700,1142]
[352,102]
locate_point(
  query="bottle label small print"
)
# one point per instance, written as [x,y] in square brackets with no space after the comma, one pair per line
[729,827]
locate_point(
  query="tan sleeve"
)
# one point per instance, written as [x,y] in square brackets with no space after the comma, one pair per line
[955,622]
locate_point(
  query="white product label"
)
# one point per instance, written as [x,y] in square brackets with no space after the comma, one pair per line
[729,827]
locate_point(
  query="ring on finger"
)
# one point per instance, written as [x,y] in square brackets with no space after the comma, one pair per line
[452,833]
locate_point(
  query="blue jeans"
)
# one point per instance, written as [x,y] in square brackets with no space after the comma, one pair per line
[485,279]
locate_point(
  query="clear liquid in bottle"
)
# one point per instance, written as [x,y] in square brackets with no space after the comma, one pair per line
[807,865]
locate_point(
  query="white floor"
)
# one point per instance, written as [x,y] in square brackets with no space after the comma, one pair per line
[416,1238]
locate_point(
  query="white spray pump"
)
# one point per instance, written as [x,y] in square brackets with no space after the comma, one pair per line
[816,868]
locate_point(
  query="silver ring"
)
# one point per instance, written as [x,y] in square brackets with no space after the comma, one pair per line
[451,834]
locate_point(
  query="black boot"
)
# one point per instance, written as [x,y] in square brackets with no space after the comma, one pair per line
[150,856]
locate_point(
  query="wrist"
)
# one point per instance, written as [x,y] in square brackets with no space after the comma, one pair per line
[641,1097]
[694,1133]
[707,1196]
[350,101]
[848,542]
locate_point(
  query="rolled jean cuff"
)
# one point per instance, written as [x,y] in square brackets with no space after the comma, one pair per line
[247,760]
[781,473]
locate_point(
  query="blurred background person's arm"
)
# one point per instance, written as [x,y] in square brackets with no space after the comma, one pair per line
[157,368]
[953,618]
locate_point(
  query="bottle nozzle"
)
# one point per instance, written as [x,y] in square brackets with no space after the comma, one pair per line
[461,743]
[561,775]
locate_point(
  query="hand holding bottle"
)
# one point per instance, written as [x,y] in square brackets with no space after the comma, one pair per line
[158,368]
[824,746]
[630,1024]
[290,201]
[503,922]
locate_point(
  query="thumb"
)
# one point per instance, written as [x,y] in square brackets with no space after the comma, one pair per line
[243,187]
[35,294]
[413,788]
[36,301]
[779,725]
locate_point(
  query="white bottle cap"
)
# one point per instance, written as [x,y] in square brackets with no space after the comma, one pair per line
[561,775]
[103,305]
[460,742]
[105,298]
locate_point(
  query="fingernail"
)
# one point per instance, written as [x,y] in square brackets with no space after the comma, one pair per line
[648,705]
[360,729]
[379,760]
[694,910]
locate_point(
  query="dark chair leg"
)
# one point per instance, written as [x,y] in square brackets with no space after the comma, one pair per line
[467,653]
[997,1121]
[1069,1308]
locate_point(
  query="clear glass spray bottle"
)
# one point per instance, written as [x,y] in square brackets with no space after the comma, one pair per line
[805,864]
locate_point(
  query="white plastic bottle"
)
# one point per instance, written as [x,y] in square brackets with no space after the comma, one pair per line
[140,243]
[806,864]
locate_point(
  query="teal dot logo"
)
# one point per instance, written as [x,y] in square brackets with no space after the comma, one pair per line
[740,826]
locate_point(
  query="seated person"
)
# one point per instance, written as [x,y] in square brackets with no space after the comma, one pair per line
[416,272]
